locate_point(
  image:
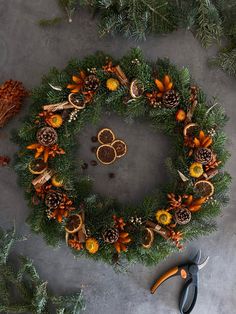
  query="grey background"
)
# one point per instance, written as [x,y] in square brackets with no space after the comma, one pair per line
[26,53]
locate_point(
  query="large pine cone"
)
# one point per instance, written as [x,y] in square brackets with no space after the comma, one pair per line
[171,99]
[203,155]
[91,83]
[47,136]
[111,235]
[53,199]
[182,216]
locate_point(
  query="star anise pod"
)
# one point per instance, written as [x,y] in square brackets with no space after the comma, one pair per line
[214,163]
[175,201]
[75,244]
[119,222]
[43,190]
[176,237]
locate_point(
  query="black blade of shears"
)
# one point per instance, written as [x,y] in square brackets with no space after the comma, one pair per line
[197,257]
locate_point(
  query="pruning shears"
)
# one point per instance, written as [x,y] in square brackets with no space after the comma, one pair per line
[190,273]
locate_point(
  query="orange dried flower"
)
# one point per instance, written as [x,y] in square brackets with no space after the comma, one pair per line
[47,152]
[78,82]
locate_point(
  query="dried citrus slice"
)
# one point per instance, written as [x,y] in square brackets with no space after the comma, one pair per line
[106,136]
[106,154]
[37,166]
[75,100]
[74,223]
[204,188]
[148,238]
[190,129]
[136,89]
[120,147]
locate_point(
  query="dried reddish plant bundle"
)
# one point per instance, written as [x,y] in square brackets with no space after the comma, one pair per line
[12,94]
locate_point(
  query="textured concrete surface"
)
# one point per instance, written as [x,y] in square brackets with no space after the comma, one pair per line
[26,53]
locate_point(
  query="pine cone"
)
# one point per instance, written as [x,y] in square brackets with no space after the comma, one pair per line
[171,99]
[47,136]
[91,83]
[53,199]
[111,235]
[203,155]
[182,216]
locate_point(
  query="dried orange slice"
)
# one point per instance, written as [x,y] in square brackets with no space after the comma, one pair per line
[74,223]
[106,136]
[204,188]
[148,239]
[120,147]
[190,129]
[136,89]
[106,154]
[75,100]
[37,166]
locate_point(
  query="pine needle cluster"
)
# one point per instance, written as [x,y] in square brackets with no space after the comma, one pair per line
[212,21]
[99,210]
[22,290]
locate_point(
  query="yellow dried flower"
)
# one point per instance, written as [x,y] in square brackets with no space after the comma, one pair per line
[196,170]
[163,217]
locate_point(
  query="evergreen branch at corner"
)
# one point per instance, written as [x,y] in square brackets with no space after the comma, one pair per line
[27,286]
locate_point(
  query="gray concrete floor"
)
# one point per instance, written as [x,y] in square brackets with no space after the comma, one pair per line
[26,53]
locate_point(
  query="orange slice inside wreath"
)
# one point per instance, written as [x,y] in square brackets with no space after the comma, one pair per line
[120,147]
[106,136]
[204,188]
[74,223]
[37,166]
[106,154]
[148,239]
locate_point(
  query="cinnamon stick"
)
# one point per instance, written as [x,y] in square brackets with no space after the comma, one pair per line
[121,75]
[42,178]
[158,229]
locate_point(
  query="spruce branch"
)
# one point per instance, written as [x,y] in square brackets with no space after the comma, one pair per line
[26,285]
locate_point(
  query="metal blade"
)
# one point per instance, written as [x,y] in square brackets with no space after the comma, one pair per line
[203,264]
[197,258]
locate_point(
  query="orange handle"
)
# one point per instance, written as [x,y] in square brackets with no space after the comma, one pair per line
[167,275]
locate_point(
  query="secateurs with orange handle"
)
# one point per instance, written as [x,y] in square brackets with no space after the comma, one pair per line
[190,273]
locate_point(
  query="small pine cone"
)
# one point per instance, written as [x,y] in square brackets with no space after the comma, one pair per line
[182,216]
[171,99]
[53,199]
[91,83]
[111,235]
[47,136]
[203,155]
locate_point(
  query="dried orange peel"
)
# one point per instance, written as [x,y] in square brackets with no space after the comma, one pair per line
[163,86]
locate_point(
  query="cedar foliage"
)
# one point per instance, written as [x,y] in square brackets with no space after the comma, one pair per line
[98,210]
[22,290]
[212,21]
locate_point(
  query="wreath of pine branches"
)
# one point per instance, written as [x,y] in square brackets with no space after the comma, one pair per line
[98,210]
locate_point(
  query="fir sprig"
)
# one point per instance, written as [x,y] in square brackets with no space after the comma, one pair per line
[22,290]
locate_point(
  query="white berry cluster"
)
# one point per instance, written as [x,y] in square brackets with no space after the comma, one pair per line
[136,61]
[211,132]
[92,70]
[73,115]
[136,220]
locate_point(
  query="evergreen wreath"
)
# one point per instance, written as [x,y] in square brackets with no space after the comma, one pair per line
[63,205]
